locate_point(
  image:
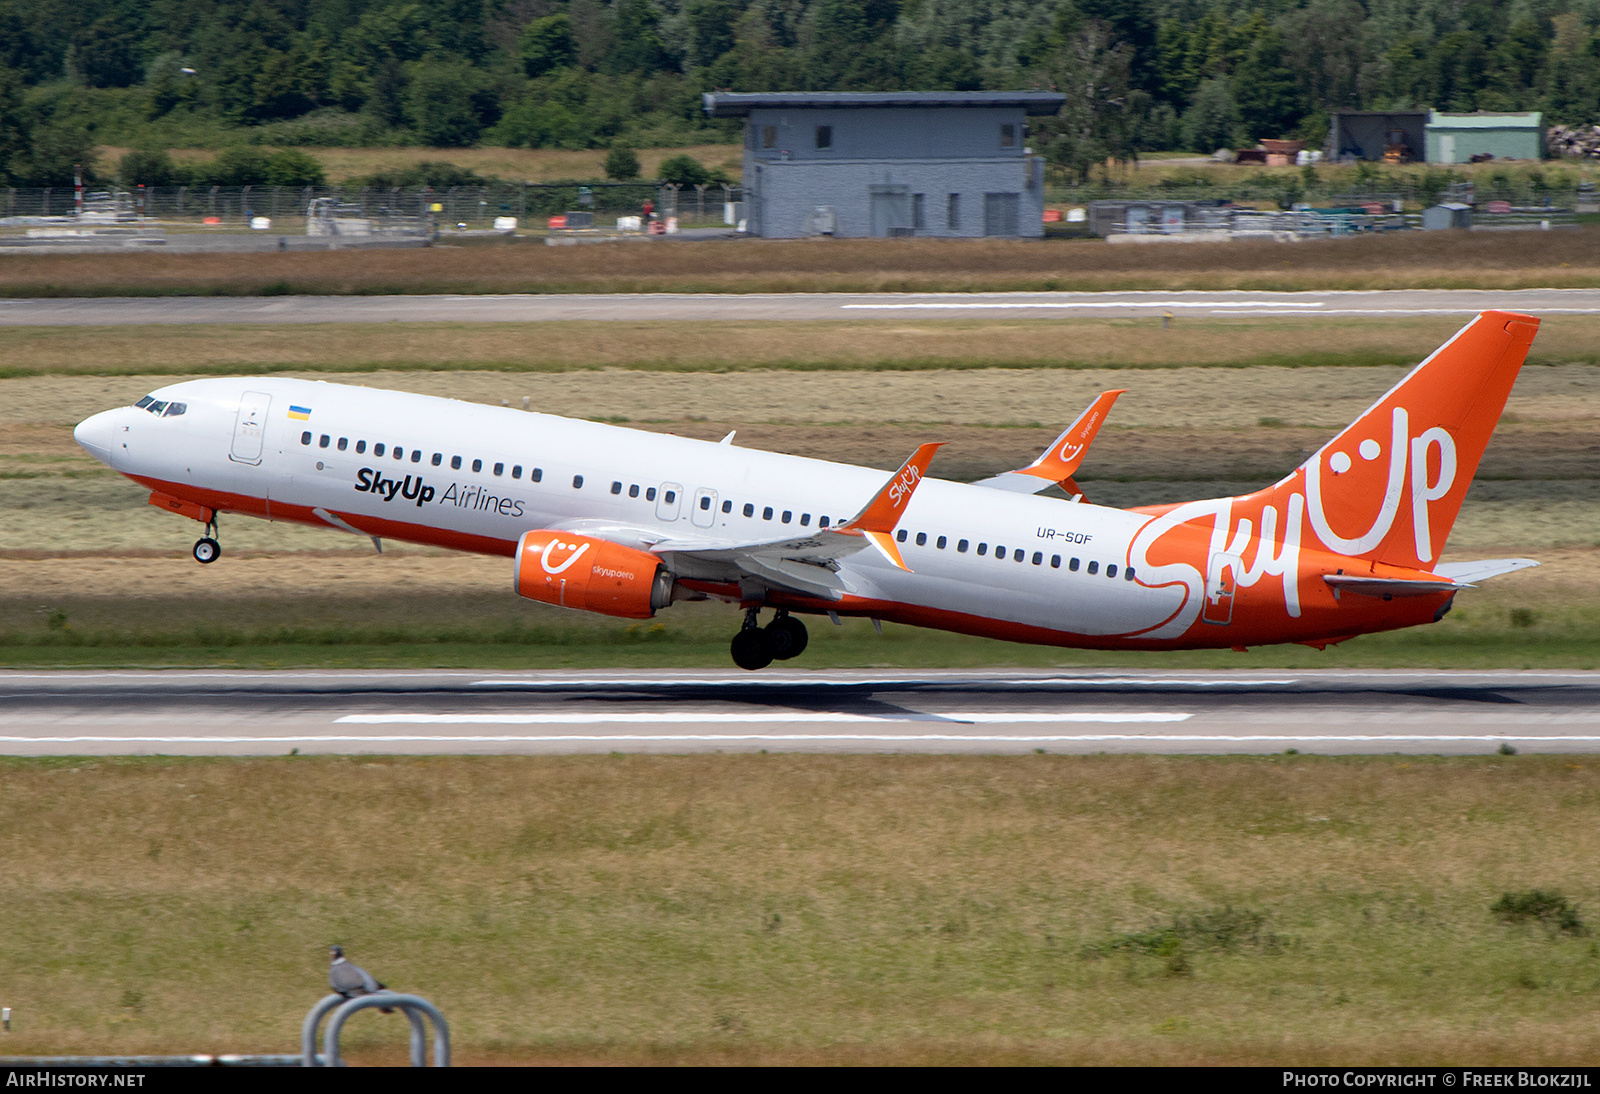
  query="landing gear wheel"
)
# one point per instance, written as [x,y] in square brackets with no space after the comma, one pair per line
[752,649]
[207,550]
[787,636]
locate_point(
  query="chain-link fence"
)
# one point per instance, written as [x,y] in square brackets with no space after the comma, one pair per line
[288,207]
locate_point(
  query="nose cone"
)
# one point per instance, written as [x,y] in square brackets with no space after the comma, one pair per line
[96,435]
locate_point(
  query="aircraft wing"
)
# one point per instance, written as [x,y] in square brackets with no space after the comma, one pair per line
[1062,459]
[806,563]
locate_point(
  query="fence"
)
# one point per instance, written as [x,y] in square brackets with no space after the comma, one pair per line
[475,206]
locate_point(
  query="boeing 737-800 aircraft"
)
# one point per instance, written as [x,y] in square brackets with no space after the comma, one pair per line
[604,519]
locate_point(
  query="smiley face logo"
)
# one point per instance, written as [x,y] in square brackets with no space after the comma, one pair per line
[547,557]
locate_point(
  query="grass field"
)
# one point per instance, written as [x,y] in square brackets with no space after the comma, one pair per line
[723,346]
[812,909]
[1479,260]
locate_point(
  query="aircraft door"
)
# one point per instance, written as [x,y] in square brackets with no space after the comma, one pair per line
[1220,586]
[669,501]
[704,513]
[250,427]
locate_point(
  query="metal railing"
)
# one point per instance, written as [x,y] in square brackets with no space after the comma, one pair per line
[418,1011]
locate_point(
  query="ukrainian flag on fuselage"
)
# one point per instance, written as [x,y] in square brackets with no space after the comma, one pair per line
[300,413]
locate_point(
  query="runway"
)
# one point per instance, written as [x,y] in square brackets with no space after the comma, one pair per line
[115,311]
[431,712]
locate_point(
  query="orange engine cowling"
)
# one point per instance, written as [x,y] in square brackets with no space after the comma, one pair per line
[591,575]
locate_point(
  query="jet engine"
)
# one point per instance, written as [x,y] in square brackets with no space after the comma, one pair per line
[592,575]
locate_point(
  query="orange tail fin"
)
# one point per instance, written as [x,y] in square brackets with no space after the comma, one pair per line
[1388,488]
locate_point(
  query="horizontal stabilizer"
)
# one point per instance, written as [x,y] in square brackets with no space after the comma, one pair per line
[1388,586]
[1481,569]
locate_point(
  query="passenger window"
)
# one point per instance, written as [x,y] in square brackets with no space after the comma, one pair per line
[961,546]
[616,488]
[455,463]
[377,449]
[1000,553]
[727,507]
[1073,565]
[633,491]
[1055,562]
[805,520]
[477,465]
[398,452]
[344,442]
[650,494]
[1094,567]
[499,468]
[438,458]
[1111,570]
[900,536]
[749,510]
[1127,575]
[305,438]
[516,471]
[416,455]
[1018,555]
[922,539]
[175,409]
[822,522]
[788,515]
[705,502]
[538,474]
[671,497]
[1038,557]
[361,446]
[324,441]
[577,482]
[983,548]
[766,514]
[940,543]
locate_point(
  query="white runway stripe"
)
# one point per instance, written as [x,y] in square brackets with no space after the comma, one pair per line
[590,718]
[782,738]
[1219,305]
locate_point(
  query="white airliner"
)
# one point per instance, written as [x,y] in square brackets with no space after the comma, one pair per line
[623,522]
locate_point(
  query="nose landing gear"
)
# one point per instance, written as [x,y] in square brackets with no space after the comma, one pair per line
[756,647]
[206,549]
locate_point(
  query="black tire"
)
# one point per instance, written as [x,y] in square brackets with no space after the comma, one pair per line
[207,550]
[788,638]
[751,649]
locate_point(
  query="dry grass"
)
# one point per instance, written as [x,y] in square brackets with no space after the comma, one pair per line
[1482,260]
[810,909]
[515,164]
[677,346]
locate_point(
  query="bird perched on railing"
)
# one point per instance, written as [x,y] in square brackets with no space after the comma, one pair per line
[351,980]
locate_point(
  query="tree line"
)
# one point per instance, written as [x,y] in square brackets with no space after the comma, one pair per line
[1139,75]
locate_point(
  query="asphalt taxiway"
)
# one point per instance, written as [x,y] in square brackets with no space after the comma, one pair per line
[636,307]
[426,712]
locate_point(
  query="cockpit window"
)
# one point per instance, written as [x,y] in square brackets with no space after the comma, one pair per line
[146,401]
[174,409]
[156,408]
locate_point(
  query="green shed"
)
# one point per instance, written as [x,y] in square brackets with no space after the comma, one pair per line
[1456,138]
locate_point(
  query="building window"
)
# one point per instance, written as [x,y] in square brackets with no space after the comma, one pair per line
[1008,135]
[952,212]
[824,136]
[919,219]
[769,136]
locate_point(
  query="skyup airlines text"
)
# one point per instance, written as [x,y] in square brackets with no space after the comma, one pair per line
[412,488]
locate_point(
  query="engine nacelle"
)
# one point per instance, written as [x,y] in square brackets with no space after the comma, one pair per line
[591,575]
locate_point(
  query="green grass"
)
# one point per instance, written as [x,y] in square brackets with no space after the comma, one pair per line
[812,908]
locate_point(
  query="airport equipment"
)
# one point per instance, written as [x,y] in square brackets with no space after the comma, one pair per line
[418,1011]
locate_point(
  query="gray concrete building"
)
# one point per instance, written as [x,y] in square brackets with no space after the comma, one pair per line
[898,163]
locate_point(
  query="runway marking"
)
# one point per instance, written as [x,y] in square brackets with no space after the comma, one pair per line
[957,677]
[781,738]
[737,718]
[1006,304]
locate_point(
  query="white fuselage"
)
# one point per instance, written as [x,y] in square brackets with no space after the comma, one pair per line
[457,474]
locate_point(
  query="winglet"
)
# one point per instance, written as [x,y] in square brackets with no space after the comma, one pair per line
[1065,454]
[878,519]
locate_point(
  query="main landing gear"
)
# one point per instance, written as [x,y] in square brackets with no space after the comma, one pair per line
[756,647]
[206,549]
